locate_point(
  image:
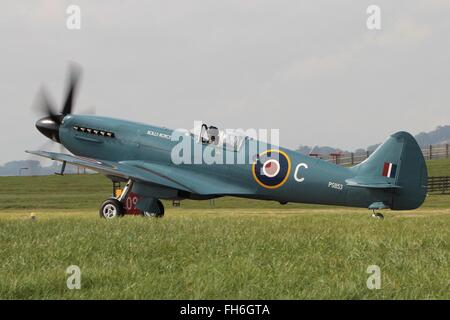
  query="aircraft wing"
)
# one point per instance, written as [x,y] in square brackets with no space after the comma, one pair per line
[155,174]
[196,181]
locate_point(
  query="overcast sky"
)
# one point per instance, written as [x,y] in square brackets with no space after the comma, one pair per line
[310,68]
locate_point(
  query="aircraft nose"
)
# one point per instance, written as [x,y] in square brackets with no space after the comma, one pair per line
[49,128]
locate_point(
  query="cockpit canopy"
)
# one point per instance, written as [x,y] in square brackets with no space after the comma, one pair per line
[230,139]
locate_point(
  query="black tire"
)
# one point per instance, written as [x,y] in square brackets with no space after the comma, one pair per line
[111,209]
[378,215]
[159,214]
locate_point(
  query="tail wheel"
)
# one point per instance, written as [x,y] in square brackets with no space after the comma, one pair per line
[111,209]
[378,215]
[157,213]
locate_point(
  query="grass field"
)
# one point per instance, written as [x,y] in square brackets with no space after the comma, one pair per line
[438,167]
[236,249]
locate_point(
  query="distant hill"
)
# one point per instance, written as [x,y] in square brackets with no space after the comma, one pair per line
[440,135]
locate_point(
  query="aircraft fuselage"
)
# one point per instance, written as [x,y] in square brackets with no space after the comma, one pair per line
[303,179]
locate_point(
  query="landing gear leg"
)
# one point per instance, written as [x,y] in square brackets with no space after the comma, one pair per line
[377,215]
[113,207]
[126,191]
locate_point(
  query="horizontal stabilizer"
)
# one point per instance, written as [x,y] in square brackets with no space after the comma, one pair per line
[374,184]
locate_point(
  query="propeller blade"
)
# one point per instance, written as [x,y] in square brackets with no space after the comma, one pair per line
[50,124]
[74,76]
[47,106]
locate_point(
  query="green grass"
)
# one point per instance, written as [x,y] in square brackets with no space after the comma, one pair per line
[438,167]
[236,249]
[227,254]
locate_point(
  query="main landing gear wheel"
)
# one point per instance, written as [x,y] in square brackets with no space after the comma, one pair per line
[157,213]
[111,209]
[378,215]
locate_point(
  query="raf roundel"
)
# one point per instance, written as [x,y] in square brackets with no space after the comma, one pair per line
[271,169]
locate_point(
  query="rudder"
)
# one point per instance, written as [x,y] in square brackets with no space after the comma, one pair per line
[399,162]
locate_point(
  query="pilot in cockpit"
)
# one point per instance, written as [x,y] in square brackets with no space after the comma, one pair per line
[209,135]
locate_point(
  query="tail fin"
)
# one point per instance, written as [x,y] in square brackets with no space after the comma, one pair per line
[398,165]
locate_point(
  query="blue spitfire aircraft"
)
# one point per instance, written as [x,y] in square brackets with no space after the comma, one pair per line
[393,177]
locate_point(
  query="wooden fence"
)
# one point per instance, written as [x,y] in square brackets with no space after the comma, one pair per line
[439,184]
[350,158]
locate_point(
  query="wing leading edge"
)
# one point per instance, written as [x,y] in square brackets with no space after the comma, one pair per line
[151,173]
